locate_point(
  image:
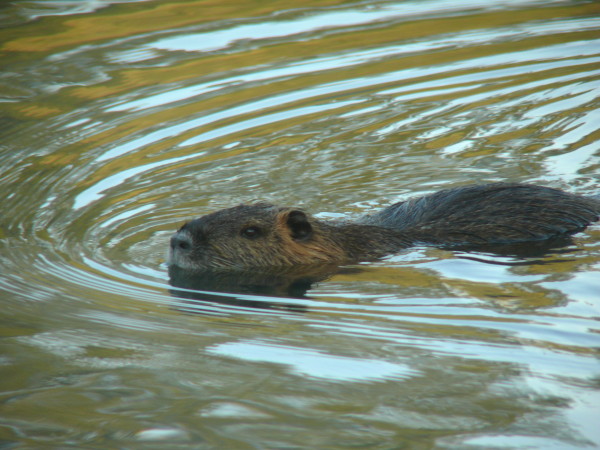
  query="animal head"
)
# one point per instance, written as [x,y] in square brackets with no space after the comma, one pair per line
[247,236]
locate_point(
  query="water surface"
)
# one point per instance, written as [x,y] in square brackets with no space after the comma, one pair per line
[123,119]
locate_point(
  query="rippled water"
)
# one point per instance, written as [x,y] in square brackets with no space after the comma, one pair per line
[122,119]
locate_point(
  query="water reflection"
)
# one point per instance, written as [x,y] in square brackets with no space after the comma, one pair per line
[292,283]
[312,363]
[249,288]
[236,287]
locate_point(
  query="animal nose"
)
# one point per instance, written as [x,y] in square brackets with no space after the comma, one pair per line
[181,241]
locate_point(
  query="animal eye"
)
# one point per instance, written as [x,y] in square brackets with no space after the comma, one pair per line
[184,245]
[181,241]
[251,232]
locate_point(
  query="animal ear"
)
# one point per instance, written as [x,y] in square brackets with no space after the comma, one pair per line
[298,224]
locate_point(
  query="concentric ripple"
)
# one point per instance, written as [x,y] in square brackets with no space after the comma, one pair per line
[123,119]
[130,166]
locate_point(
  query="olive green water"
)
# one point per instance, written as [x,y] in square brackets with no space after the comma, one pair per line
[122,119]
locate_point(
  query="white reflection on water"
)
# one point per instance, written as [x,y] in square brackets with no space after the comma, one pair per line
[585,287]
[225,38]
[94,192]
[217,40]
[264,120]
[506,442]
[580,128]
[37,9]
[553,52]
[252,107]
[540,361]
[314,363]
[335,61]
[127,214]
[466,269]
[162,434]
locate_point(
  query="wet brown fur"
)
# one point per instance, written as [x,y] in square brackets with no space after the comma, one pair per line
[308,251]
[264,235]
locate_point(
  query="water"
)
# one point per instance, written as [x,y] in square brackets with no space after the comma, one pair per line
[122,119]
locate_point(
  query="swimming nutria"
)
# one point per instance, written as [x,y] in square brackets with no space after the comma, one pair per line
[263,235]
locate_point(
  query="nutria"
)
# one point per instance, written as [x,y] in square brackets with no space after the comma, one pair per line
[263,235]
